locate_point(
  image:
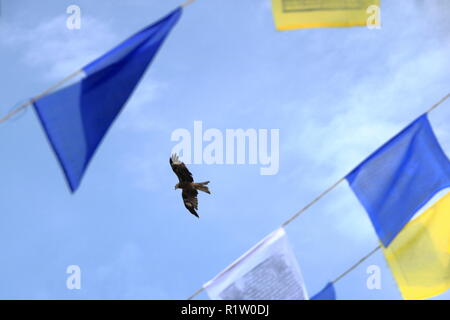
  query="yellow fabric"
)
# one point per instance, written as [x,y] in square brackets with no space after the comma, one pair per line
[295,14]
[419,256]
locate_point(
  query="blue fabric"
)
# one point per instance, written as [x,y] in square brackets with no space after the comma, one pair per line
[76,118]
[401,177]
[327,293]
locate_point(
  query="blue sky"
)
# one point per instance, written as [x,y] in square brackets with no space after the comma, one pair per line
[335,94]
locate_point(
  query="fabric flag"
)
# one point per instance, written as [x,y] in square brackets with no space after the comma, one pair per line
[419,256]
[268,271]
[327,293]
[399,178]
[296,14]
[77,117]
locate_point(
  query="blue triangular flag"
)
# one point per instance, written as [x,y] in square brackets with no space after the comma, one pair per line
[327,293]
[399,178]
[76,118]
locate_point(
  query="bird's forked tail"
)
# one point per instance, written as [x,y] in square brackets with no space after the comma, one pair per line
[202,186]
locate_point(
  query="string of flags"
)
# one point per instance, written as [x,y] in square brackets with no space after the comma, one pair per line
[392,184]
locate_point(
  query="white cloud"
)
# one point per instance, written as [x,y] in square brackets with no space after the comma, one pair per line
[141,168]
[125,277]
[375,109]
[140,115]
[56,51]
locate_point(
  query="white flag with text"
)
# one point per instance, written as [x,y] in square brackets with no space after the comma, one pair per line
[268,271]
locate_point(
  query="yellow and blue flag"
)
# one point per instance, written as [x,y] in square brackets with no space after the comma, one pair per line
[296,14]
[76,118]
[419,256]
[400,178]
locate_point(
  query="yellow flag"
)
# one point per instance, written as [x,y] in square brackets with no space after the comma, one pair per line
[295,14]
[419,256]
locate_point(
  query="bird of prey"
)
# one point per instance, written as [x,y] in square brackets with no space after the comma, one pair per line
[187,184]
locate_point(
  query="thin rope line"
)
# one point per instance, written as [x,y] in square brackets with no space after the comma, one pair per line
[32,100]
[196,293]
[357,264]
[188,2]
[19,103]
[438,103]
[295,216]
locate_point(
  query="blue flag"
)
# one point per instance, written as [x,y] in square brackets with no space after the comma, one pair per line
[399,178]
[76,118]
[327,293]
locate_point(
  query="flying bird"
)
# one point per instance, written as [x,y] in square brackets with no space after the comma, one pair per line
[187,184]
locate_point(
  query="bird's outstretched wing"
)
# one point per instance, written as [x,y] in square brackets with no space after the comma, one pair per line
[180,169]
[190,200]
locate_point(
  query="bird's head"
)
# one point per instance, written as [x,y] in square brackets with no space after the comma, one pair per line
[177,186]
